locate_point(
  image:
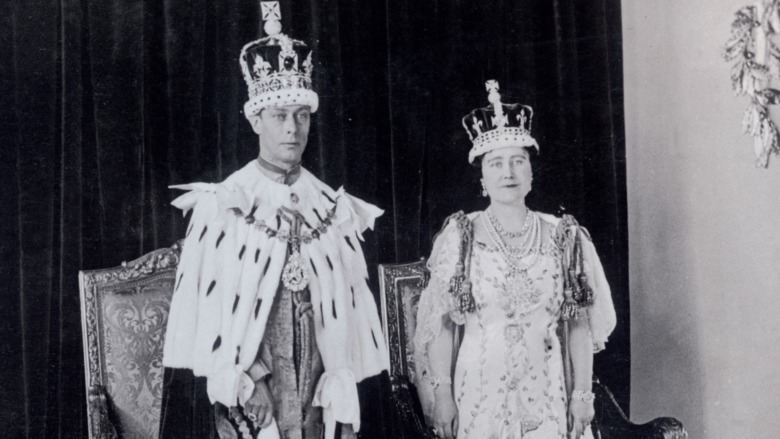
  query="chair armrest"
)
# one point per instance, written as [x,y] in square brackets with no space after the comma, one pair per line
[101,424]
[666,428]
[611,423]
[408,408]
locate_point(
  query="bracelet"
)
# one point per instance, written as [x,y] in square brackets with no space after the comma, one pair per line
[583,395]
[437,381]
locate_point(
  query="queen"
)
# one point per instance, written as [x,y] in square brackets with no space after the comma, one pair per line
[526,290]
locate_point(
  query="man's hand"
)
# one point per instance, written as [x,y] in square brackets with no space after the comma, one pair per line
[260,405]
[445,414]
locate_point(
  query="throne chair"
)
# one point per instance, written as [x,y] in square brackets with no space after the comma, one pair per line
[124,312]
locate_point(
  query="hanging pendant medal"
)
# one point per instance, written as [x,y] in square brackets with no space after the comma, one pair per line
[294,276]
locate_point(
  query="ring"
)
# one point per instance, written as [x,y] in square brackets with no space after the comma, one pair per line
[252,417]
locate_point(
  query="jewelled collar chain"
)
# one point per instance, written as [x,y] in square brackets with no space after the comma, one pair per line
[294,276]
[535,241]
[289,215]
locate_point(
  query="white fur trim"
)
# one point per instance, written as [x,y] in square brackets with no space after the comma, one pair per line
[289,96]
[501,138]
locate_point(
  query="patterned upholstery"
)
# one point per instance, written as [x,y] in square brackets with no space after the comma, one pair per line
[400,289]
[124,311]
[400,286]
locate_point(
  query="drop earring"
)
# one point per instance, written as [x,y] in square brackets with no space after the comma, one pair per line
[484,191]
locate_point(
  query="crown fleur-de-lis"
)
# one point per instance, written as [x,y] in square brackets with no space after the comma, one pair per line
[521,118]
[477,125]
[261,66]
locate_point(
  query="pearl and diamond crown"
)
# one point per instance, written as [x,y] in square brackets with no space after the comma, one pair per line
[498,125]
[277,69]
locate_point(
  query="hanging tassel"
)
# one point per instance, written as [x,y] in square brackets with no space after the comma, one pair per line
[460,287]
[465,298]
[584,294]
[578,293]
[570,307]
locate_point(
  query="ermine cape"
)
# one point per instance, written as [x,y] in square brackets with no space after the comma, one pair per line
[230,271]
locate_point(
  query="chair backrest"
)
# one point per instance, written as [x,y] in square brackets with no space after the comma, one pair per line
[124,312]
[400,286]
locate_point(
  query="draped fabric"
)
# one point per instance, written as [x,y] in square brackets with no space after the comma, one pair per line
[103,104]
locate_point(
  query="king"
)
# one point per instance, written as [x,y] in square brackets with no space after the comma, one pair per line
[272,324]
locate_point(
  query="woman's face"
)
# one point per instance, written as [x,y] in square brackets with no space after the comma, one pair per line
[507,174]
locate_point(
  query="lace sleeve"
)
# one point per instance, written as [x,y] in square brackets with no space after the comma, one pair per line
[601,315]
[435,308]
[436,303]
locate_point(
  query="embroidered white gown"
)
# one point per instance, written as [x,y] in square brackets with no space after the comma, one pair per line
[509,380]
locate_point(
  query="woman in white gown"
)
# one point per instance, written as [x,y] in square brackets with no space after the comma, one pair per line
[530,295]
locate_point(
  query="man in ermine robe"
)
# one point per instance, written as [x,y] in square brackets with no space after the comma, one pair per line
[271,319]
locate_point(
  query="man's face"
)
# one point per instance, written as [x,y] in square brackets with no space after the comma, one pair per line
[283,132]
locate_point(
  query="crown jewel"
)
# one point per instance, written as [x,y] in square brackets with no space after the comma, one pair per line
[277,69]
[498,125]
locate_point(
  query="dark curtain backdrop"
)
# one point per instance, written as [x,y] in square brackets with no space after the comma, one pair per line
[105,103]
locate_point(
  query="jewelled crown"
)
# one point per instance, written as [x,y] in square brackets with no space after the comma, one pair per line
[498,125]
[277,69]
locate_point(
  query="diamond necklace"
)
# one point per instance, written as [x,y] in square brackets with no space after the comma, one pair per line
[527,238]
[501,231]
[513,259]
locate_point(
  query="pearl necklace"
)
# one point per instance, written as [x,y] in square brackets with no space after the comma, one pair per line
[520,249]
[519,289]
[514,257]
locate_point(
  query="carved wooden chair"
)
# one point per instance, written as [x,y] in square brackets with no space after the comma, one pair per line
[124,312]
[399,290]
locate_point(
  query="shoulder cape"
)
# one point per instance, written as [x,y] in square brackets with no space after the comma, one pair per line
[230,272]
